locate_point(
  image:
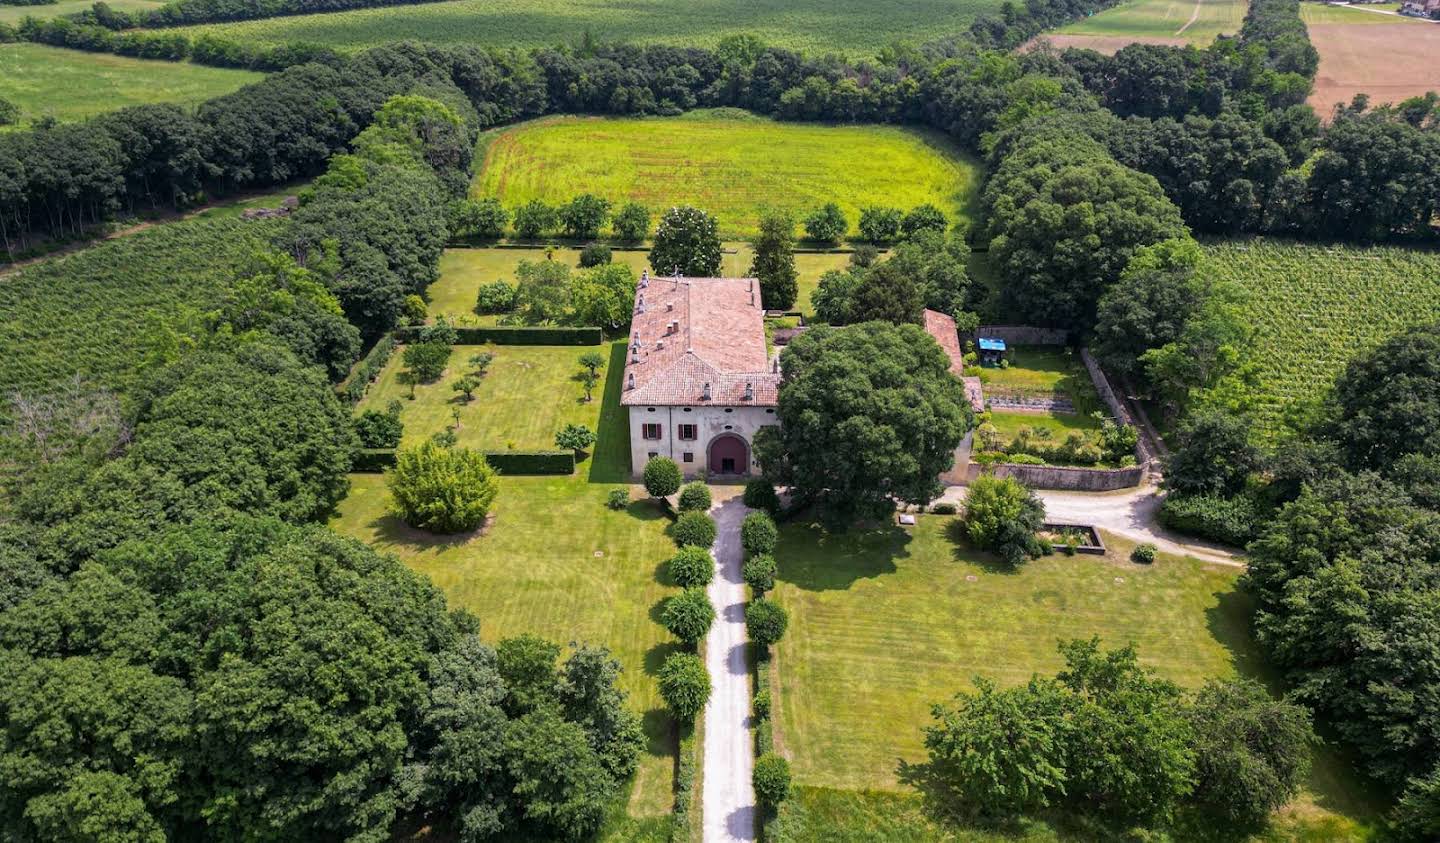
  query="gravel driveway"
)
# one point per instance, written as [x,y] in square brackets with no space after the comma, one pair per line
[729,797]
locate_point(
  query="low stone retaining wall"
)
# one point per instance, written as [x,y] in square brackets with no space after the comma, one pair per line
[1063,477]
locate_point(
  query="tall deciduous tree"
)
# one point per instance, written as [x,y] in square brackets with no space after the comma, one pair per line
[774,261]
[687,241]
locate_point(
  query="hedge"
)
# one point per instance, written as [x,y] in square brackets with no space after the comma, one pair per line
[1232,521]
[516,336]
[375,460]
[366,371]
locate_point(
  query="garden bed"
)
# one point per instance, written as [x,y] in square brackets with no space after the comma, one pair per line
[1089,537]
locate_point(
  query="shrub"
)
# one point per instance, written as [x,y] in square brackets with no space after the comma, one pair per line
[923,218]
[944,509]
[765,621]
[1001,515]
[688,615]
[495,297]
[575,437]
[691,567]
[9,112]
[880,225]
[771,779]
[1229,520]
[631,223]
[759,573]
[1143,553]
[762,705]
[442,490]
[826,224]
[693,529]
[684,685]
[534,218]
[595,254]
[759,494]
[618,499]
[758,534]
[662,477]
[413,310]
[695,497]
[380,430]
[864,255]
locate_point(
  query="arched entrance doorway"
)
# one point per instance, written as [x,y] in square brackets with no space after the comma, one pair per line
[729,455]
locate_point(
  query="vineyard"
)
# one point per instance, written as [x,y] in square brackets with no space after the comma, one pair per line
[88,313]
[1313,308]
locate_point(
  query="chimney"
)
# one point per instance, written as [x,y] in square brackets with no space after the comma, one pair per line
[630,383]
[705,396]
[669,306]
[644,276]
[749,391]
[775,367]
[634,356]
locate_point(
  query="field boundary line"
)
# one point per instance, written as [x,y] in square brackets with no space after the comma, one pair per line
[1194,16]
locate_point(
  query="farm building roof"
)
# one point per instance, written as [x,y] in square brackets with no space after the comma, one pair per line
[943,329]
[989,344]
[697,341]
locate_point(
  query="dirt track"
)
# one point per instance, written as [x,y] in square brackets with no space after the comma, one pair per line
[1387,61]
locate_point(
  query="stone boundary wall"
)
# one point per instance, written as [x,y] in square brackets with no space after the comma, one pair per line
[1117,407]
[1024,334]
[1063,477]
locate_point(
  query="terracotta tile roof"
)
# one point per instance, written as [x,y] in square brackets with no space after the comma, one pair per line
[942,328]
[690,335]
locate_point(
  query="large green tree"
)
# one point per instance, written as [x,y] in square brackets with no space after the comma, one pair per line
[869,414]
[687,241]
[1388,400]
[774,261]
[1252,752]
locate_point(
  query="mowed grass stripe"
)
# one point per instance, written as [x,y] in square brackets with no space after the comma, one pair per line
[727,162]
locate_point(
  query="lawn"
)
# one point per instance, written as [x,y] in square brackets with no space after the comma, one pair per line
[1038,372]
[1325,13]
[14,14]
[1059,424]
[555,561]
[529,393]
[728,162]
[884,623]
[817,26]
[1194,21]
[463,271]
[1313,308]
[70,84]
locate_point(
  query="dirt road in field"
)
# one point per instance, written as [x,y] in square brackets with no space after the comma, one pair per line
[728,796]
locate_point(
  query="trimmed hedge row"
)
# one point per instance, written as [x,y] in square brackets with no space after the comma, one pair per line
[376,460]
[367,371]
[685,791]
[515,336]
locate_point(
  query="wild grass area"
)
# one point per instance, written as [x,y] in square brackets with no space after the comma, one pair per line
[87,313]
[463,271]
[817,26]
[15,14]
[1313,308]
[728,162]
[71,85]
[886,622]
[555,560]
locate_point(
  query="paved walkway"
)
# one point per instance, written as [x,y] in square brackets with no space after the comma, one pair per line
[728,796]
[1130,513]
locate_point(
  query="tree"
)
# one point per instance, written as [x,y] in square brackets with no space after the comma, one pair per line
[483,218]
[886,292]
[688,615]
[380,430]
[880,225]
[693,528]
[758,533]
[631,223]
[774,261]
[466,385]
[542,294]
[826,224]
[759,573]
[686,242]
[534,219]
[759,494]
[562,785]
[691,567]
[765,622]
[876,389]
[695,497]
[834,298]
[923,218]
[9,112]
[1252,753]
[662,477]
[592,360]
[603,296]
[1212,455]
[684,685]
[595,254]
[589,380]
[771,779]
[495,297]
[584,216]
[1003,516]
[442,490]
[1001,752]
[575,437]
[426,361]
[1388,401]
[1416,817]
[1150,304]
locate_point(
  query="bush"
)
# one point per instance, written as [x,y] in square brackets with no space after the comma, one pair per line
[688,615]
[695,497]
[9,112]
[380,430]
[595,254]
[368,370]
[1232,521]
[442,490]
[758,534]
[1001,515]
[534,218]
[1143,553]
[532,462]
[771,779]
[618,499]
[762,705]
[765,621]
[662,477]
[693,529]
[759,494]
[495,297]
[413,310]
[692,567]
[826,224]
[880,225]
[944,509]
[631,223]
[684,685]
[923,218]
[759,573]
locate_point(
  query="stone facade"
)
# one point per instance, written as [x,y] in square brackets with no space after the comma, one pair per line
[711,424]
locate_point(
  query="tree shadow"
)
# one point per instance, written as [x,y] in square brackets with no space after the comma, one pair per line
[392,530]
[657,611]
[655,656]
[962,551]
[659,729]
[814,559]
[610,462]
[645,509]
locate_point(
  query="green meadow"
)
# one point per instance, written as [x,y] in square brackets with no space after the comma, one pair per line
[1195,21]
[14,14]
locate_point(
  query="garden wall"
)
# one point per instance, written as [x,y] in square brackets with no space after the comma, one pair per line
[376,460]
[1063,477]
[1024,334]
[1117,407]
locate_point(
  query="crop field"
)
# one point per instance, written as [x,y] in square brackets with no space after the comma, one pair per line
[819,26]
[1313,308]
[70,84]
[728,162]
[884,623]
[1153,22]
[1388,57]
[86,313]
[14,14]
